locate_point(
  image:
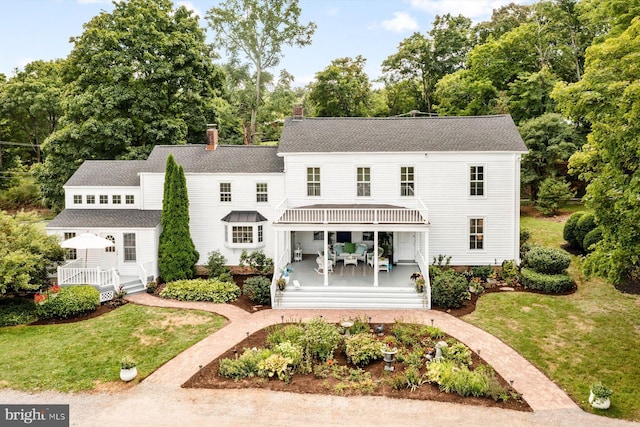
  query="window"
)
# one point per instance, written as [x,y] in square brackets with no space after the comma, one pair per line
[318,235]
[241,234]
[262,195]
[77,199]
[368,236]
[91,200]
[70,253]
[260,234]
[313,181]
[406,181]
[129,199]
[225,191]
[111,248]
[476,233]
[104,199]
[363,181]
[116,199]
[476,181]
[129,244]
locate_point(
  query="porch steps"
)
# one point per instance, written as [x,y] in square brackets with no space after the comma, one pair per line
[350,297]
[133,286]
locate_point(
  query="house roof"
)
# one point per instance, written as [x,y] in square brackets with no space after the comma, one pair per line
[244,216]
[401,134]
[195,158]
[98,173]
[124,218]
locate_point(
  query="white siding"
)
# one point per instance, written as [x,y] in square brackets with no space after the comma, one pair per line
[70,192]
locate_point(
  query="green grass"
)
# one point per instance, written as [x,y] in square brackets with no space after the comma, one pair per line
[78,356]
[592,335]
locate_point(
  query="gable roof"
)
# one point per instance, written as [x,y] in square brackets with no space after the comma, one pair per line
[195,158]
[122,218]
[98,173]
[401,134]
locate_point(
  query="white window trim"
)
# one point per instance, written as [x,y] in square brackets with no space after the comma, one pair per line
[415,181]
[484,234]
[484,180]
[255,185]
[228,240]
[306,181]
[358,182]
[230,182]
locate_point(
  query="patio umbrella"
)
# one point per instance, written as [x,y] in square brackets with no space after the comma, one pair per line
[86,241]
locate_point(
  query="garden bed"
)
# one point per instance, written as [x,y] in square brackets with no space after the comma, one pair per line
[380,384]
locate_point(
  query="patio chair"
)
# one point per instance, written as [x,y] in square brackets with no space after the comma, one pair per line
[370,256]
[320,269]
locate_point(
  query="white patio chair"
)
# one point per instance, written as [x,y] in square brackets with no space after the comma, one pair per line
[320,269]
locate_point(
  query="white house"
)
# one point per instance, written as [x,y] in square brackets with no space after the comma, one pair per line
[405,189]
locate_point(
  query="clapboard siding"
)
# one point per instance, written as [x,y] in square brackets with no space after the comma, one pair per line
[70,192]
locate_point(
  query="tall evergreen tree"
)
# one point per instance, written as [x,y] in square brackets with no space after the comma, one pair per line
[177,255]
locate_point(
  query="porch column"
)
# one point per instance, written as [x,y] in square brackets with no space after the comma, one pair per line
[276,255]
[375,258]
[325,252]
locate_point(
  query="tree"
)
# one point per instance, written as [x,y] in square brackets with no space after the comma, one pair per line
[139,76]
[257,30]
[177,255]
[342,89]
[529,96]
[27,254]
[503,20]
[608,97]
[553,193]
[458,94]
[551,140]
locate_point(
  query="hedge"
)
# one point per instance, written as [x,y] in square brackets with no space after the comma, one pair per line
[449,290]
[17,311]
[547,260]
[548,283]
[592,237]
[210,290]
[70,301]
[258,289]
[569,231]
[585,224]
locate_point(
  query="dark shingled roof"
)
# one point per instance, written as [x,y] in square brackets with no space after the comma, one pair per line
[124,218]
[244,216]
[121,173]
[224,159]
[400,134]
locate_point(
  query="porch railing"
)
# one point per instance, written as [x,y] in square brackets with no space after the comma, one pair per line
[424,267]
[281,263]
[353,216]
[143,272]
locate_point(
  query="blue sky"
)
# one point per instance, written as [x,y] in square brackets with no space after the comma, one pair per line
[40,29]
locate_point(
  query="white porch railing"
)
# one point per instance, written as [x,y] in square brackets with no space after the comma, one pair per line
[143,271]
[424,267]
[281,263]
[353,216]
[106,281]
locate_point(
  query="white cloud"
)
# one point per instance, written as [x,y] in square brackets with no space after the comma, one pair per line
[190,7]
[93,1]
[401,21]
[477,10]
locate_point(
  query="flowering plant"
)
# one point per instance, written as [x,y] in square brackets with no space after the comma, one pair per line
[54,289]
[390,344]
[40,298]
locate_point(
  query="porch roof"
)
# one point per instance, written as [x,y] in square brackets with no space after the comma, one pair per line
[352,214]
[118,218]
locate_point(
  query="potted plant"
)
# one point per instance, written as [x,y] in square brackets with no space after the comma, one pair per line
[419,281]
[599,396]
[128,370]
[389,350]
[281,283]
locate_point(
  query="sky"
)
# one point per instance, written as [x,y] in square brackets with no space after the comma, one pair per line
[41,29]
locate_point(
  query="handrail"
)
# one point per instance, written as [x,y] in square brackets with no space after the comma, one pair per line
[353,216]
[286,255]
[424,268]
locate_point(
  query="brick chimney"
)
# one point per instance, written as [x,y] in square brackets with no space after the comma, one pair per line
[298,112]
[212,137]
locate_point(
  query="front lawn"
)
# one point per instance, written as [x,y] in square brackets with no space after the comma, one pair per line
[80,356]
[591,335]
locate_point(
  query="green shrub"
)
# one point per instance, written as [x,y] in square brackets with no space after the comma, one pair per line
[23,195]
[320,339]
[70,301]
[257,260]
[449,290]
[510,271]
[291,351]
[362,349]
[435,332]
[552,193]
[452,378]
[592,237]
[525,246]
[410,379]
[549,283]
[586,223]
[285,333]
[257,288]
[276,365]
[482,272]
[415,357]
[457,352]
[547,260]
[152,286]
[245,366]
[569,230]
[217,266]
[201,290]
[17,311]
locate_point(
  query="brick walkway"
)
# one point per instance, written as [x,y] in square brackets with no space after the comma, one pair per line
[539,392]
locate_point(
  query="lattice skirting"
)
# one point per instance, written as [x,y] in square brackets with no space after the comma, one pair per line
[106,296]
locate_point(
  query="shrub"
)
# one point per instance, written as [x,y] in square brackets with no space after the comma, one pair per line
[152,286]
[549,283]
[482,272]
[552,193]
[290,351]
[452,378]
[362,349]
[458,353]
[275,365]
[16,311]
[245,366]
[320,339]
[510,271]
[70,301]
[201,290]
[525,246]
[592,237]
[585,224]
[287,333]
[547,260]
[257,260]
[217,266]
[410,379]
[257,288]
[23,195]
[569,230]
[410,334]
[449,290]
